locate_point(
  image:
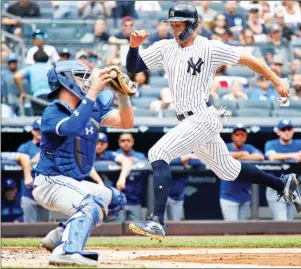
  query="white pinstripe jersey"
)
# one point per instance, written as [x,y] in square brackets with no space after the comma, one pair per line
[190,70]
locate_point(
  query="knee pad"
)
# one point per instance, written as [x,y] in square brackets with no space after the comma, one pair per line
[89,213]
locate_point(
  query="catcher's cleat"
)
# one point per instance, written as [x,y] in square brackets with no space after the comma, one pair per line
[291,190]
[52,239]
[151,228]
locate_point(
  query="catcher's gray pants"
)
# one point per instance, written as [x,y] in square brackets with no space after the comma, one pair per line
[33,212]
[61,193]
[174,209]
[199,134]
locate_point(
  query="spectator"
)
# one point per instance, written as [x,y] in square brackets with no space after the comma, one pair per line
[102,154]
[220,29]
[147,6]
[201,30]
[175,202]
[37,77]
[93,9]
[124,9]
[296,83]
[39,43]
[5,50]
[277,65]
[262,91]
[11,210]
[126,29]
[247,39]
[235,197]
[259,30]
[295,66]
[283,149]
[287,32]
[207,13]
[235,21]
[63,10]
[133,185]
[99,34]
[33,212]
[292,12]
[161,33]
[22,8]
[236,93]
[165,101]
[296,43]
[82,56]
[64,54]
[9,92]
[265,13]
[142,80]
[92,60]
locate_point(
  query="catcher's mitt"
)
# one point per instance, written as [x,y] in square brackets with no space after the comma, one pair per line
[121,82]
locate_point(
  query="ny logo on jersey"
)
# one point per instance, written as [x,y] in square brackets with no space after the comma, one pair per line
[89,131]
[195,67]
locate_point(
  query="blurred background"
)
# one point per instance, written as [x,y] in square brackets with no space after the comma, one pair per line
[36,34]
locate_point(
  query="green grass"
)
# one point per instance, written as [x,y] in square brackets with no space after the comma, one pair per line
[173,242]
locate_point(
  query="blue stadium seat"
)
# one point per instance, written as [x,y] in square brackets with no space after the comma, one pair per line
[231,105]
[142,102]
[248,112]
[62,34]
[150,92]
[254,104]
[286,113]
[240,71]
[223,91]
[294,104]
[145,113]
[157,72]
[169,113]
[158,81]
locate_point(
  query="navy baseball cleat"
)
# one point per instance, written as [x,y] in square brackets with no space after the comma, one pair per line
[291,190]
[151,228]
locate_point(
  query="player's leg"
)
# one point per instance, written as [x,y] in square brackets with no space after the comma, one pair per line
[215,155]
[134,212]
[244,210]
[30,209]
[291,212]
[230,210]
[70,197]
[176,209]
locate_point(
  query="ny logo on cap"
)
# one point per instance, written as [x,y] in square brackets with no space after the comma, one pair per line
[89,131]
[172,13]
[195,67]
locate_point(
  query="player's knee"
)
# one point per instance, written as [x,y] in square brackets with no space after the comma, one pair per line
[229,170]
[157,154]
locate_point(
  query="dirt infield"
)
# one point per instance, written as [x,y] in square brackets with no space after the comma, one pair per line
[165,258]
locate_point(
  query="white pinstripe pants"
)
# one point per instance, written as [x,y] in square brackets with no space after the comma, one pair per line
[61,193]
[199,134]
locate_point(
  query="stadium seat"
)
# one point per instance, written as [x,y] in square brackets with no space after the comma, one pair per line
[169,113]
[142,102]
[157,72]
[248,112]
[62,34]
[294,104]
[231,105]
[223,91]
[158,81]
[240,71]
[150,92]
[286,113]
[145,113]
[254,104]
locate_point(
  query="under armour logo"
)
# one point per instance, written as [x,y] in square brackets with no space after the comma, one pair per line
[195,67]
[89,131]
[76,113]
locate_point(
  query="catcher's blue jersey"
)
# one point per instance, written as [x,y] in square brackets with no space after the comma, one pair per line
[69,136]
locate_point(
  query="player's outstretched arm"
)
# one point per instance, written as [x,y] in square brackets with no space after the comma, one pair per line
[126,166]
[25,162]
[261,68]
[96,177]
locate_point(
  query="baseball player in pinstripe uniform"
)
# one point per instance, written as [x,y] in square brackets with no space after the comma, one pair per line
[190,62]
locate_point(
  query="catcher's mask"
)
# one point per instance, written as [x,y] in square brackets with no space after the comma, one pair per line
[184,12]
[72,75]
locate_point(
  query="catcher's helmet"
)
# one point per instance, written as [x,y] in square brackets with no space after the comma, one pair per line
[63,74]
[184,12]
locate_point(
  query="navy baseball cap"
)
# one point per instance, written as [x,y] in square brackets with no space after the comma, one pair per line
[239,126]
[9,184]
[12,58]
[102,137]
[37,124]
[284,123]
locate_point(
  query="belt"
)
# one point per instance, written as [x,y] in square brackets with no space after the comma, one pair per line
[183,116]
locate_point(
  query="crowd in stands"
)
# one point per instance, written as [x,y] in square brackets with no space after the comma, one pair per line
[235,197]
[269,30]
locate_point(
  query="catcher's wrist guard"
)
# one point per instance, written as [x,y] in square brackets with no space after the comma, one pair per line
[124,100]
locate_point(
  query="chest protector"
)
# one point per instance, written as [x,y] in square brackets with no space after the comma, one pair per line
[75,156]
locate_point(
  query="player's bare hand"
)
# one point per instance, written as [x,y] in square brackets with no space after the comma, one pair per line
[120,184]
[137,38]
[99,80]
[282,88]
[28,181]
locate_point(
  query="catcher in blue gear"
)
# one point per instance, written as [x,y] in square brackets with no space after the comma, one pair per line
[69,134]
